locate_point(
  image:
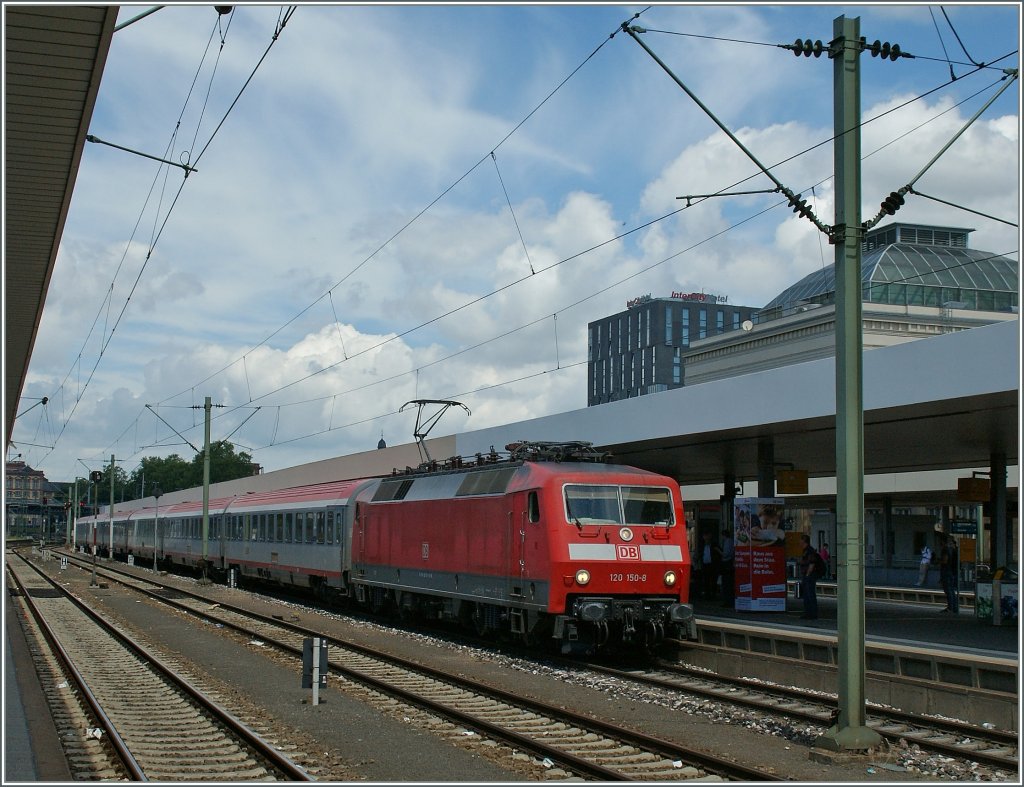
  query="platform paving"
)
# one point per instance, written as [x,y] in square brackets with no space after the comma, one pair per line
[921,624]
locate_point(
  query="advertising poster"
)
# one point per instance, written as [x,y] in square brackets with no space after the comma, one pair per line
[984,603]
[760,559]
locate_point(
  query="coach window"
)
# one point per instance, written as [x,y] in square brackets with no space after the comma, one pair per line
[262,519]
[310,528]
[288,526]
[320,535]
[533,507]
[279,527]
[330,527]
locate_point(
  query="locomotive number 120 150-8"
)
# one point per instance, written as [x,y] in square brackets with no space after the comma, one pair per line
[628,577]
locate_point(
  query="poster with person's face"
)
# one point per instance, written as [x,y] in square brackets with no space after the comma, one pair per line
[760,558]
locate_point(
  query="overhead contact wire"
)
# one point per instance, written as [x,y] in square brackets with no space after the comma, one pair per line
[409,223]
[117,322]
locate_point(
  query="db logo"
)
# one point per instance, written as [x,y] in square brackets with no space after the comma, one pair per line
[627,552]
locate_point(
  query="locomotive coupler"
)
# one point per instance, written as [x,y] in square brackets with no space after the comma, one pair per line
[628,628]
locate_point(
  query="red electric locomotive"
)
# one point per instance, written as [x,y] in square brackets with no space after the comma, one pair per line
[551,543]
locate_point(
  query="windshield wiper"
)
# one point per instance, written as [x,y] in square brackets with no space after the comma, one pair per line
[572,517]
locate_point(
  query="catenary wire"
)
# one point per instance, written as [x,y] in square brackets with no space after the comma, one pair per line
[163,225]
[543,318]
[412,220]
[332,304]
[475,301]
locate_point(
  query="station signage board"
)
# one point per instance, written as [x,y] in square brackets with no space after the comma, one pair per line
[791,482]
[973,490]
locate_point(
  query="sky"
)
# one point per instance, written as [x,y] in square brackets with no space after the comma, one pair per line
[398,202]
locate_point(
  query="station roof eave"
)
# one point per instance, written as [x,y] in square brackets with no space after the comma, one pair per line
[947,402]
[54,57]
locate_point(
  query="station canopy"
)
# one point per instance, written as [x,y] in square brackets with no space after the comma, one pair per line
[915,265]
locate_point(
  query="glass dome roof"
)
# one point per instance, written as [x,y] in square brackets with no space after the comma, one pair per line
[918,266]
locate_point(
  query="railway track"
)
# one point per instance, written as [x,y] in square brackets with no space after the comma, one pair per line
[154,724]
[577,744]
[948,737]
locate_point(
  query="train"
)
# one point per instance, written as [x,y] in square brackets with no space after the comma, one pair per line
[547,543]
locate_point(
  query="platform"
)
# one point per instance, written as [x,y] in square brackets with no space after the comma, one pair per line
[918,623]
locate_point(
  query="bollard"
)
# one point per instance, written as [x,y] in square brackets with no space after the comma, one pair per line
[314,665]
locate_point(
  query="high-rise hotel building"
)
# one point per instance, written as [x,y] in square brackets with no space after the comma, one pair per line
[640,350]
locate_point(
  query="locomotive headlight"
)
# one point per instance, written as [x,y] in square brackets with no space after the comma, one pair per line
[670,579]
[582,577]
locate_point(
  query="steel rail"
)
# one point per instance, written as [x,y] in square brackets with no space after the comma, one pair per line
[131,765]
[633,737]
[879,718]
[282,763]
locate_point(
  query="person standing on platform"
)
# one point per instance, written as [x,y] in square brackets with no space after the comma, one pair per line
[826,557]
[926,562]
[728,570]
[949,572]
[710,560]
[810,570]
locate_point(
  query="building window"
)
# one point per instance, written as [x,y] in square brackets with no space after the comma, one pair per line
[703,323]
[677,362]
[668,325]
[720,321]
[735,320]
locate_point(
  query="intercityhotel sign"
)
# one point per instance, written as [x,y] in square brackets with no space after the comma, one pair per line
[694,297]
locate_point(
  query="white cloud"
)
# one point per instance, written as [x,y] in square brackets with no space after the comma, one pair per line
[360,117]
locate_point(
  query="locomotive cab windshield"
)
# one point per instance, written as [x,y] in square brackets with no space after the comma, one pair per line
[592,504]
